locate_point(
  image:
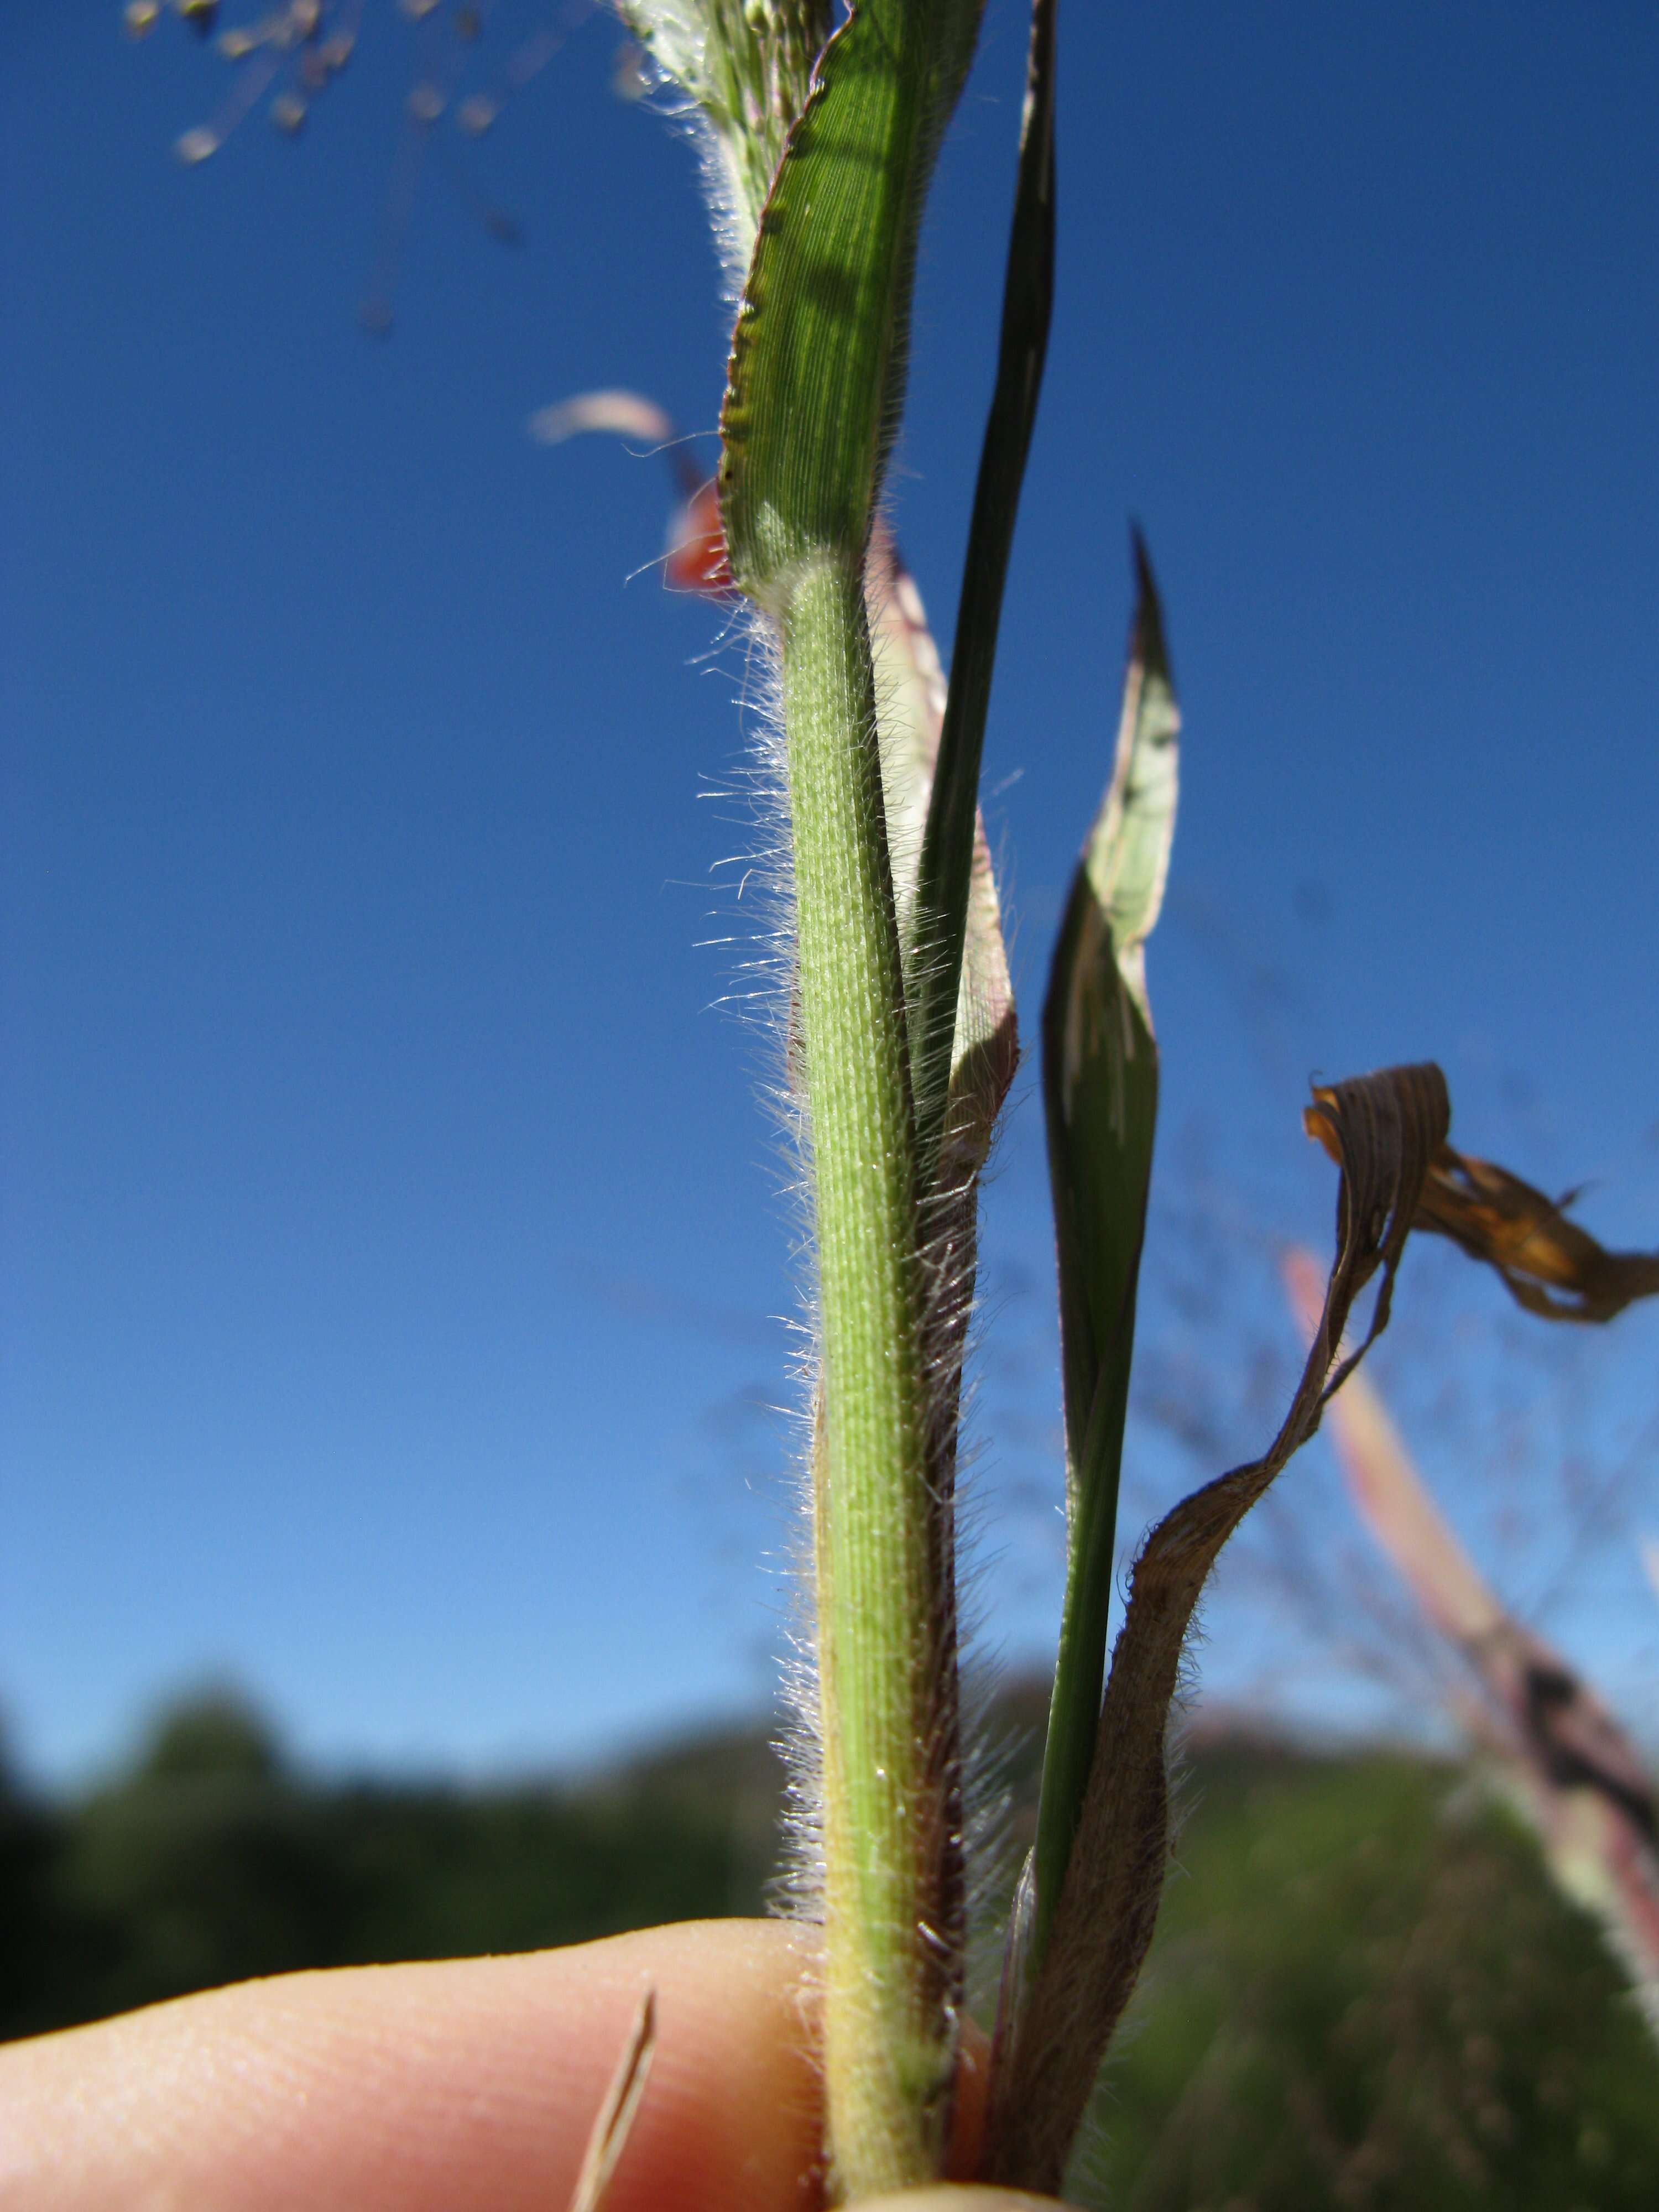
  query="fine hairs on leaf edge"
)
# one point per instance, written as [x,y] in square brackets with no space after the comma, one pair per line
[1386,1128]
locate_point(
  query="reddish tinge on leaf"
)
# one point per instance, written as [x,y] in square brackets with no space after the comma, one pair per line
[697,547]
[696,558]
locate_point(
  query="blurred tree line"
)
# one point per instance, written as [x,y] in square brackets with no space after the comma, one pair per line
[1364,1992]
[212,1859]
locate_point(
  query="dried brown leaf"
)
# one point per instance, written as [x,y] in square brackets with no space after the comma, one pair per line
[1548,1263]
[614,2121]
[1385,1131]
[1551,1266]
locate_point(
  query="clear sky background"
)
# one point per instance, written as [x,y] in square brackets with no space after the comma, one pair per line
[394,1258]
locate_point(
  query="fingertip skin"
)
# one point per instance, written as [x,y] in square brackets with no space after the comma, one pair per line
[435,2087]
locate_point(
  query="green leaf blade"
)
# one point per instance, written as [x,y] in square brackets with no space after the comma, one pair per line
[1127,856]
[816,375]
[944,923]
[1385,1131]
[1100,1094]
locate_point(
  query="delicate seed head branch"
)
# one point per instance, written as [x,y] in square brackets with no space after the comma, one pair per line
[289,54]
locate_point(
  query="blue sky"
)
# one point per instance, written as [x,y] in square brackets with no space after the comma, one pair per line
[394,1248]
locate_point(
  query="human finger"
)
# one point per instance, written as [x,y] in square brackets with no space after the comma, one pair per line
[435,2087]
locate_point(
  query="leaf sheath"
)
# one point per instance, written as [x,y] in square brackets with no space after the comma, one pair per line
[892,1869]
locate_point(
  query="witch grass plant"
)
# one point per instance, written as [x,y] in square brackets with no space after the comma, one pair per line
[819,128]
[902,1034]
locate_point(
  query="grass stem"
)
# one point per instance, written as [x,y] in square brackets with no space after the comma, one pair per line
[884,1591]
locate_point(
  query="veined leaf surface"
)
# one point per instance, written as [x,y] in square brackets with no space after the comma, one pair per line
[816,375]
[1100,1098]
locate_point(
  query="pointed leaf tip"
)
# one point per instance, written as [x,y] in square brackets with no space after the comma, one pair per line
[1100,1080]
[1128,854]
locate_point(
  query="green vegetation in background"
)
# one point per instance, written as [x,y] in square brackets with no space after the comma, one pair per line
[1363,1992]
[213,1860]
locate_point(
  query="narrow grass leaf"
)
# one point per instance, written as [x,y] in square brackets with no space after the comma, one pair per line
[1386,1130]
[1549,1265]
[943,922]
[909,690]
[1100,1099]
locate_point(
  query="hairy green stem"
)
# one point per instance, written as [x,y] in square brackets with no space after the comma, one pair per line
[882,1559]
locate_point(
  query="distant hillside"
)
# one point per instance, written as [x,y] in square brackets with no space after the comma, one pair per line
[1365,1996]
[213,1860]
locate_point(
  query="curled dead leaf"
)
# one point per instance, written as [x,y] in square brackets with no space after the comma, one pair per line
[1549,1264]
[1385,1131]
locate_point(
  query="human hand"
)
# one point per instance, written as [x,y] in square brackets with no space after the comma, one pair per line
[442,2088]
